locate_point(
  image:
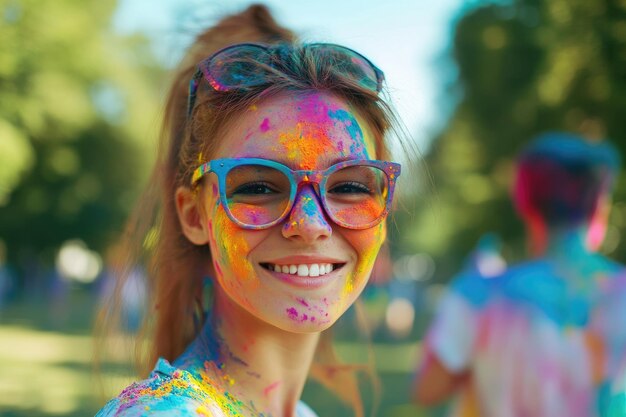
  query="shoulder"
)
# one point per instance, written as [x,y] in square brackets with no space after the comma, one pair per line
[472,288]
[167,392]
[303,410]
[616,280]
[146,405]
[532,281]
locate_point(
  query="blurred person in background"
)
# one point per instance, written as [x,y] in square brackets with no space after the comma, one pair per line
[541,339]
[7,278]
[274,182]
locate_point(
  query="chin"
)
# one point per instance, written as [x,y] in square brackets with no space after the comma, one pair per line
[307,327]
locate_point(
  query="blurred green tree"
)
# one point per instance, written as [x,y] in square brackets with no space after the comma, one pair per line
[524,67]
[77,124]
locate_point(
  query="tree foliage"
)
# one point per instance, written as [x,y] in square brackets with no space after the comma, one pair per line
[77,108]
[524,67]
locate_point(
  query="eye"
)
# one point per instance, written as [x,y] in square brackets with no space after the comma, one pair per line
[255,188]
[351,187]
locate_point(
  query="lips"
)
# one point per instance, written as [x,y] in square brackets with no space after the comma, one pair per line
[304,271]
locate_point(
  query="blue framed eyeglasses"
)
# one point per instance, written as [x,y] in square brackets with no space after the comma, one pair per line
[246,65]
[259,193]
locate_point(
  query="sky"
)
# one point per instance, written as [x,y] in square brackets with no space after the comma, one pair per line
[405,38]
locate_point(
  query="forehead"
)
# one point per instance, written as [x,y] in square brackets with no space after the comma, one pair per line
[310,131]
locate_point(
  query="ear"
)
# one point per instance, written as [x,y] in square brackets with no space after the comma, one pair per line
[190,216]
[598,223]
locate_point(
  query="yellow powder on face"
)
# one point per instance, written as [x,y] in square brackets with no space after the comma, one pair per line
[376,237]
[233,247]
[235,273]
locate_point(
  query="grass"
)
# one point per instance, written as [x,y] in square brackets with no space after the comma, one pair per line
[46,365]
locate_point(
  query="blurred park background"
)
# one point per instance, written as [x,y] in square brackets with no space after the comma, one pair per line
[81,85]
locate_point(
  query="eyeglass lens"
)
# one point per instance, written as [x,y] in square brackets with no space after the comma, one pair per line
[238,67]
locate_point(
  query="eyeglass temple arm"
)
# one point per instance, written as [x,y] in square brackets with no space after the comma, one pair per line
[193,91]
[200,172]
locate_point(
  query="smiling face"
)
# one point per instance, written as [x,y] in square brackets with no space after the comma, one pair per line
[303,273]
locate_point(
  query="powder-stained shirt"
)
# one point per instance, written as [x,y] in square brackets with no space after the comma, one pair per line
[169,391]
[539,340]
[617,406]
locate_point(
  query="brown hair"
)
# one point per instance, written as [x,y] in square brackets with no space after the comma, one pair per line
[154,235]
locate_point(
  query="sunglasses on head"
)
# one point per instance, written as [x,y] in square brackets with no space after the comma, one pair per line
[245,66]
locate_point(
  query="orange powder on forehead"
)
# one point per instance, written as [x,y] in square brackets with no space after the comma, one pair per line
[307,143]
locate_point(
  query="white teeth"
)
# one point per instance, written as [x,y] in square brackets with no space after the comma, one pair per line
[303,270]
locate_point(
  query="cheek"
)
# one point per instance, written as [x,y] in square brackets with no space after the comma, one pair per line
[230,247]
[367,244]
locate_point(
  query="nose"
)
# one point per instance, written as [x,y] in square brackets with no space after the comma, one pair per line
[307,219]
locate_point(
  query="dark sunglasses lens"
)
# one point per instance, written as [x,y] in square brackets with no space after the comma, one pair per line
[237,67]
[257,195]
[357,195]
[350,63]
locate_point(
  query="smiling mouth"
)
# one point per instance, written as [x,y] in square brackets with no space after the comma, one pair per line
[304,270]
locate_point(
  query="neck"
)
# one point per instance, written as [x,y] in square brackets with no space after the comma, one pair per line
[259,363]
[565,242]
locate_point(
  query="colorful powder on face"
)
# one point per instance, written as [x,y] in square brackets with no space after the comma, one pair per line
[265,126]
[293,314]
[312,308]
[250,214]
[373,239]
[313,137]
[310,207]
[306,143]
[363,213]
[233,246]
[352,127]
[230,249]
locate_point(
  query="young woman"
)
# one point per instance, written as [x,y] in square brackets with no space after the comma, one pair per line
[275,188]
